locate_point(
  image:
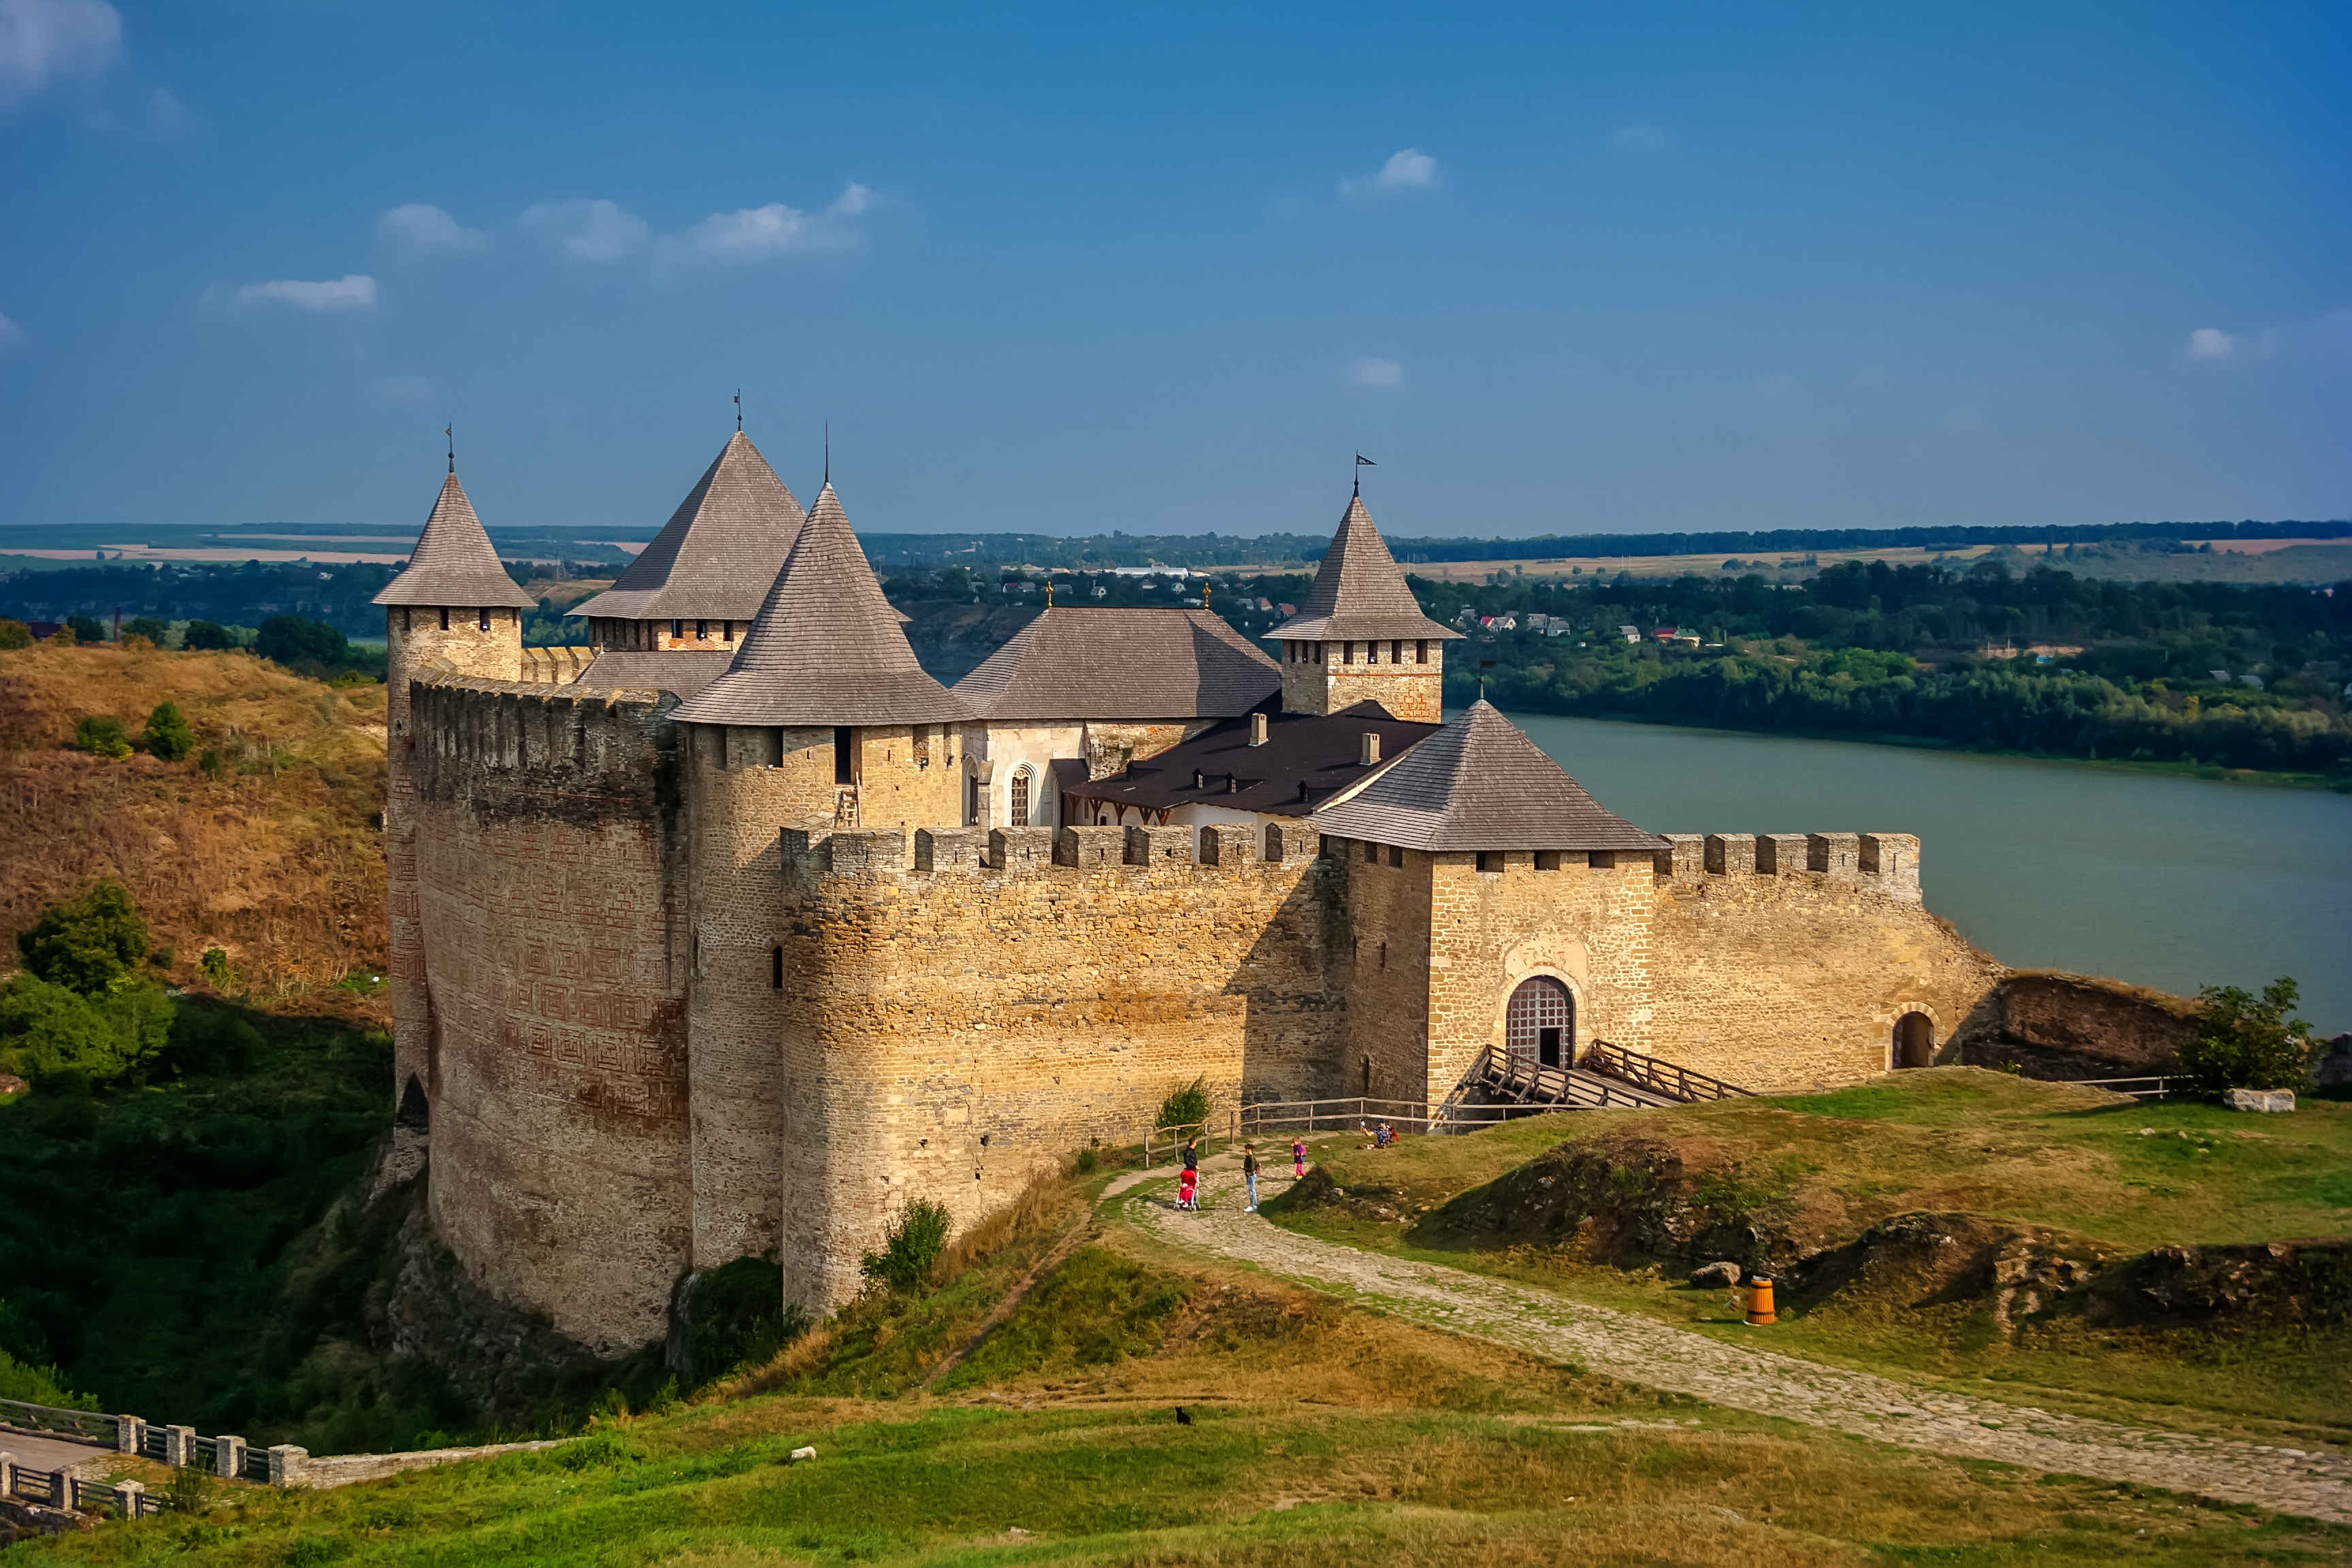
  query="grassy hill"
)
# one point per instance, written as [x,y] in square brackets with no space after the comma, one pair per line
[1318,1435]
[262,842]
[2038,1241]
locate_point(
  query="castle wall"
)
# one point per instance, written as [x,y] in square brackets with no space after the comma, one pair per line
[1786,960]
[949,1030]
[1585,923]
[1382,968]
[415,641]
[551,889]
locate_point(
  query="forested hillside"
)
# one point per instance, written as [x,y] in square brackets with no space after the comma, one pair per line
[2209,673]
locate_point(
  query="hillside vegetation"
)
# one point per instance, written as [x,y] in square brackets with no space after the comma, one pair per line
[2040,1238]
[1312,1435]
[261,841]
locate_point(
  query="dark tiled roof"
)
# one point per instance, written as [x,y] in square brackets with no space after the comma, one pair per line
[1121,664]
[826,648]
[1320,750]
[684,673]
[721,549]
[453,563]
[1359,592]
[1480,784]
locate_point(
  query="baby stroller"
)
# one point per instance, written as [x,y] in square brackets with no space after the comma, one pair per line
[1187,1189]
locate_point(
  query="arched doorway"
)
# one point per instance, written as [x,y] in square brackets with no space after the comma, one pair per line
[1540,1027]
[1915,1041]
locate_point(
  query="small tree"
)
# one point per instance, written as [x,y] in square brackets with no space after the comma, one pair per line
[909,1247]
[2247,1042]
[149,626]
[91,944]
[1186,1107]
[168,735]
[102,733]
[296,639]
[207,635]
[86,628]
[14,633]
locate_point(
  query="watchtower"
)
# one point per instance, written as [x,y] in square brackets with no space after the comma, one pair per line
[1361,635]
[454,608]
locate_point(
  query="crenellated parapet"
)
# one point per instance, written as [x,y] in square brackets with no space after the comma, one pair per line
[1886,862]
[816,852]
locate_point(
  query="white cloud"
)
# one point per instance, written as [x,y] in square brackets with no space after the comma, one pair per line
[11,334]
[1411,170]
[354,291]
[757,234]
[41,40]
[596,231]
[2211,342]
[1640,138]
[420,228]
[1370,372]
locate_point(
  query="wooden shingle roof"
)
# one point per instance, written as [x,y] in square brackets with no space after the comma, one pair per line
[720,551]
[1360,593]
[1480,784]
[1305,759]
[453,563]
[826,648]
[1089,663]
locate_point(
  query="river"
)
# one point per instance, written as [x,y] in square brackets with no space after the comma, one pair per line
[2164,881]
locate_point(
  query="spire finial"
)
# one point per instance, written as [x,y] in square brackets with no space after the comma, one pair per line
[828,452]
[450,430]
[739,410]
[1363,463]
[1208,586]
[1049,590]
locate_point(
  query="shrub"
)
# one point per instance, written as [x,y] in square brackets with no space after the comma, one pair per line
[190,1490]
[294,639]
[85,629]
[90,943]
[14,633]
[102,733]
[2247,1042]
[62,637]
[207,635]
[1188,1107]
[208,1037]
[131,643]
[910,1247]
[736,1316]
[214,964]
[47,1031]
[168,735]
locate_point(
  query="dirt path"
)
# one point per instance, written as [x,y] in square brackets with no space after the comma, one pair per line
[2313,1485]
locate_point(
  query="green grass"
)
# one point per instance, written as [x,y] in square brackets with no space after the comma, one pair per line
[1948,1140]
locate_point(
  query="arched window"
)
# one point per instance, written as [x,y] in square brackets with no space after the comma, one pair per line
[1020,797]
[1540,1028]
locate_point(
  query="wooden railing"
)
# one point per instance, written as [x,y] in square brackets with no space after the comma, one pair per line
[1659,1077]
[2137,1088]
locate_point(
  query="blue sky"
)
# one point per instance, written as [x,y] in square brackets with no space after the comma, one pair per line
[1165,269]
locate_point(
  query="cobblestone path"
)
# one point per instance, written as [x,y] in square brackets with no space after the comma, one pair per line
[2313,1485]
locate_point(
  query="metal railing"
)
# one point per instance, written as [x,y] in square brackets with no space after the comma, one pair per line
[64,1490]
[1660,1076]
[2137,1088]
[84,1425]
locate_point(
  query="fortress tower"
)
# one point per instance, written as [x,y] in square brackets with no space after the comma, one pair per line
[1361,636]
[454,609]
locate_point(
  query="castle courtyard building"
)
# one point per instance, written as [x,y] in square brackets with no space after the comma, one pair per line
[735,931]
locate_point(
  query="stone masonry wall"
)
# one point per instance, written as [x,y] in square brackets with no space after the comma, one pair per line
[956,1019]
[1408,691]
[416,644]
[551,887]
[1784,960]
[1380,956]
[1585,923]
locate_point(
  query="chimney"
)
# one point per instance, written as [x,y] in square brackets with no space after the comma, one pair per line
[1372,749]
[1257,730]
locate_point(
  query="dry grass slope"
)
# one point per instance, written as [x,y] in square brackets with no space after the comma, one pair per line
[273,855]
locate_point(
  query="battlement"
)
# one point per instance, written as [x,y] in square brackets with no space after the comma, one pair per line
[530,725]
[555,666]
[1888,861]
[817,851]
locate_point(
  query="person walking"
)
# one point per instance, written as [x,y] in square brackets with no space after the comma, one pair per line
[1298,1159]
[1249,1174]
[1188,1184]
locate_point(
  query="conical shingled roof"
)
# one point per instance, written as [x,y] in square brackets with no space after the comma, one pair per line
[1480,784]
[453,563]
[826,648]
[1085,662]
[1360,592]
[720,551]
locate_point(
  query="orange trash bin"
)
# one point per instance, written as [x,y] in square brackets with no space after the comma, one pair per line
[1760,1302]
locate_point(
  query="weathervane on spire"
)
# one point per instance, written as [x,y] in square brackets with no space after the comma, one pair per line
[450,430]
[1363,463]
[738,408]
[828,452]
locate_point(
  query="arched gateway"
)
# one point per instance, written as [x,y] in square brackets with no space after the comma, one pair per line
[1540,1029]
[1915,1041]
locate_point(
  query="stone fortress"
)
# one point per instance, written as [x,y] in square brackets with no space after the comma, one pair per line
[733,931]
